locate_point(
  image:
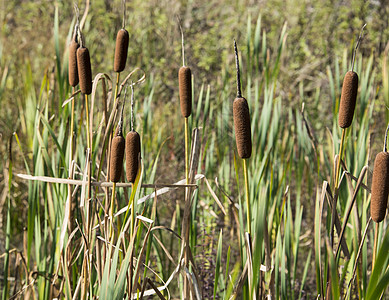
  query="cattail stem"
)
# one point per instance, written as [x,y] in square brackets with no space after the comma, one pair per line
[386,138]
[375,245]
[116,88]
[132,217]
[89,143]
[340,157]
[72,129]
[356,47]
[132,105]
[111,208]
[187,150]
[87,123]
[70,225]
[110,135]
[246,185]
[187,201]
[337,171]
[239,91]
[124,14]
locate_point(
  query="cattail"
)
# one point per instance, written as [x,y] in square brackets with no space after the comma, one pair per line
[241,115]
[348,99]
[185,90]
[84,70]
[121,50]
[73,73]
[132,155]
[380,187]
[117,155]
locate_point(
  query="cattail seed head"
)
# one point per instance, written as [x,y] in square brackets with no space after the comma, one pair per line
[117,155]
[241,115]
[84,70]
[121,50]
[348,99]
[380,187]
[185,89]
[73,73]
[132,155]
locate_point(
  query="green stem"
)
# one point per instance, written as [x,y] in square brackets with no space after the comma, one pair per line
[71,130]
[246,184]
[111,207]
[187,199]
[340,157]
[116,88]
[70,163]
[87,123]
[132,217]
[89,143]
[336,188]
[375,245]
[187,150]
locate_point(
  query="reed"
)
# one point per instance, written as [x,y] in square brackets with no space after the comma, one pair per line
[345,117]
[241,115]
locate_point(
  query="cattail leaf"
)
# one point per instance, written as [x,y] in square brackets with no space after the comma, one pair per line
[218,263]
[334,285]
[305,273]
[378,280]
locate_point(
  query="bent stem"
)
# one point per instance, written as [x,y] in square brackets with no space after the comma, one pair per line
[246,184]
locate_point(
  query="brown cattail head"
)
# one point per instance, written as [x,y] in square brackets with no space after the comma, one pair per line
[121,50]
[348,99]
[73,73]
[132,155]
[84,70]
[242,127]
[380,187]
[185,87]
[117,155]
